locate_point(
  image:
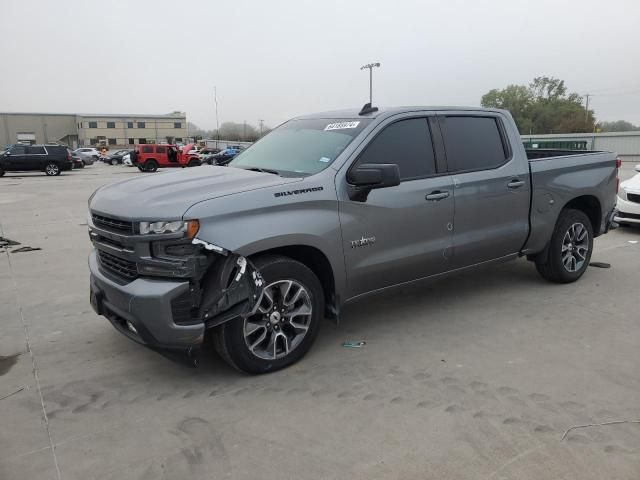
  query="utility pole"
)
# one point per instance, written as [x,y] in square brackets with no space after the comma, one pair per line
[215,99]
[370,66]
[261,126]
[586,114]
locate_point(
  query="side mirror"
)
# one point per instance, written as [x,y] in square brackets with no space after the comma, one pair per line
[637,168]
[368,176]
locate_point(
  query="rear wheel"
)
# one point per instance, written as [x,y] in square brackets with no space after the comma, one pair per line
[284,325]
[113,162]
[151,166]
[52,169]
[81,165]
[193,163]
[569,251]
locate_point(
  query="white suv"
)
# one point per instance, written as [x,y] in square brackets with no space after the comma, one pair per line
[92,152]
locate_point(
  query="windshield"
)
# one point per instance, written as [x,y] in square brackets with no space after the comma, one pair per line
[301,147]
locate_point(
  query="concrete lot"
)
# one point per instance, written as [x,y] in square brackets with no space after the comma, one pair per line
[475,376]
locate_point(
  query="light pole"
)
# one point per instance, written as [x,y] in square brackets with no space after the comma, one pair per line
[370,66]
[215,99]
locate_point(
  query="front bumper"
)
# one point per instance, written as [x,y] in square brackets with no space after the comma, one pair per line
[141,310]
[628,212]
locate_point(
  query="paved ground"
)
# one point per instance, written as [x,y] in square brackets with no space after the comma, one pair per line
[476,376]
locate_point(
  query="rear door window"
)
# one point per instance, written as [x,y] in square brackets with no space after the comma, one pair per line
[472,143]
[161,149]
[147,149]
[406,143]
[36,151]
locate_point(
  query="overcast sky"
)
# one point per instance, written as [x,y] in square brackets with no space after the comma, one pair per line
[273,60]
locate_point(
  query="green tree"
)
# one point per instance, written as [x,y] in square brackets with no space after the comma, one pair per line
[542,107]
[617,126]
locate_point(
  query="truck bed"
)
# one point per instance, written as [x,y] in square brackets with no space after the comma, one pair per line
[587,176]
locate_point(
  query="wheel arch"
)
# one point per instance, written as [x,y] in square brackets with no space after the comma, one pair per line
[591,207]
[318,263]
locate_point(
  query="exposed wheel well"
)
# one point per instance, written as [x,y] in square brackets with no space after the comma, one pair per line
[318,263]
[590,205]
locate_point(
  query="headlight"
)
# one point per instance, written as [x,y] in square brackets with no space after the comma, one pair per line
[622,193]
[190,227]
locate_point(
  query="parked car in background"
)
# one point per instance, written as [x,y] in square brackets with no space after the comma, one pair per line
[77,160]
[629,201]
[326,209]
[50,159]
[116,158]
[223,157]
[90,151]
[150,157]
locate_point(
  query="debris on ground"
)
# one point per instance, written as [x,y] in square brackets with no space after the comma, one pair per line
[613,422]
[13,393]
[600,264]
[25,249]
[7,242]
[354,344]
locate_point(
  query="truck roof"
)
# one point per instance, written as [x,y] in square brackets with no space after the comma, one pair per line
[388,111]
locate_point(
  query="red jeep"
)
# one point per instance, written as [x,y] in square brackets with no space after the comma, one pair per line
[150,157]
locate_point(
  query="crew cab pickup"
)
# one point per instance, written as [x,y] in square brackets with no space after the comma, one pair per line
[328,208]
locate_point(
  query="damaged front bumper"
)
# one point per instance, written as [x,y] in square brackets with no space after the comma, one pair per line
[172,315]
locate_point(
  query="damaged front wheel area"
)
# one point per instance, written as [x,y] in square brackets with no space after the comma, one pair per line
[284,324]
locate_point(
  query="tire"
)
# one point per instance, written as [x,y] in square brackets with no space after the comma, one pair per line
[113,163]
[52,169]
[1,172]
[565,260]
[150,166]
[281,274]
[140,168]
[193,163]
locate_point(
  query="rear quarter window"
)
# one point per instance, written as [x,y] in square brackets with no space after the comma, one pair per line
[147,149]
[472,143]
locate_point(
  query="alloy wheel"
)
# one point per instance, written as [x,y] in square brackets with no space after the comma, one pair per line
[281,320]
[575,247]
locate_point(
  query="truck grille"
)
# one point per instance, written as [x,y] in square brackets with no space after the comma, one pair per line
[118,266]
[112,223]
[633,197]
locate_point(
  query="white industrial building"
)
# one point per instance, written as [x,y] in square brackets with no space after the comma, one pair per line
[625,144]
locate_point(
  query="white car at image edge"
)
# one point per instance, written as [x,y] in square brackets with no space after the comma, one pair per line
[629,200]
[126,160]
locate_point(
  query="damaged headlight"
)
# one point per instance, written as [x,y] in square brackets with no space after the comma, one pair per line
[190,227]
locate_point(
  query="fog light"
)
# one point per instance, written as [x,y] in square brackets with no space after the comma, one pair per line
[131,327]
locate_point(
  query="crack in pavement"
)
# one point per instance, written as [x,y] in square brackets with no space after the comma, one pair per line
[34,364]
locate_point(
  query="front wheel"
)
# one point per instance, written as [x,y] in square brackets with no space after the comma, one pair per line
[151,166]
[569,251]
[284,325]
[52,169]
[113,163]
[193,163]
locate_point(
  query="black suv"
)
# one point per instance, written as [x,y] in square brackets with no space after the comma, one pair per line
[50,159]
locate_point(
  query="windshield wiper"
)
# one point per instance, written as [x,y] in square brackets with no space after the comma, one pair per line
[263,170]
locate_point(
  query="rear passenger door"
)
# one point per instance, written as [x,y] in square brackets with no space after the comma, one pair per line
[491,185]
[35,158]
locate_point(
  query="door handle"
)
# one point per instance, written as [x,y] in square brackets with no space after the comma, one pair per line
[515,183]
[437,195]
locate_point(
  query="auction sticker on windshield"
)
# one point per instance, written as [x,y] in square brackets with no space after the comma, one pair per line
[341,125]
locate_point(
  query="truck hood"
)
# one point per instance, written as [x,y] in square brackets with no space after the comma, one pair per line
[167,196]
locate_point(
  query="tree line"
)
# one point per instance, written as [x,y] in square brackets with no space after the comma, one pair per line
[545,106]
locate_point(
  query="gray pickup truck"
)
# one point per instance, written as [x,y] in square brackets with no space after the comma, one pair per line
[328,208]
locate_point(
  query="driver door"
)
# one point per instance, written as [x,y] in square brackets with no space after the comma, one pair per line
[402,233]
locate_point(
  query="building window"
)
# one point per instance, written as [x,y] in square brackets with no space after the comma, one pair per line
[140,124]
[177,124]
[93,124]
[111,124]
[132,141]
[129,124]
[93,141]
[112,141]
[142,141]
